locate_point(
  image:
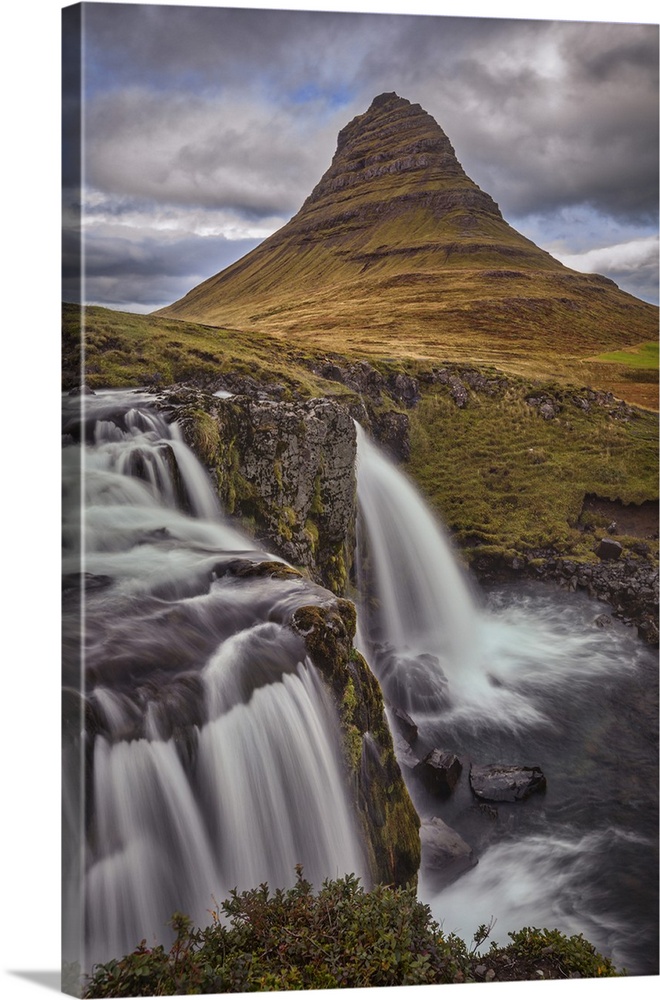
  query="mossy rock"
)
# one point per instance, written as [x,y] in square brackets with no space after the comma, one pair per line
[388,818]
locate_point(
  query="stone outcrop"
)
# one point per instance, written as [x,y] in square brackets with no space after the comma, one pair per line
[439,771]
[385,810]
[445,855]
[287,470]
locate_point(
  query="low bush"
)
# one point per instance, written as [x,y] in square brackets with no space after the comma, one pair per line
[340,936]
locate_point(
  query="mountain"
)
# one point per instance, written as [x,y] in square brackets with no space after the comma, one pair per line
[397,249]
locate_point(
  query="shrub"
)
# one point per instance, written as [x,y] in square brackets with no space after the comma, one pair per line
[340,936]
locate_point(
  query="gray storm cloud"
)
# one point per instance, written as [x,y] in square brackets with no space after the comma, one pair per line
[237,111]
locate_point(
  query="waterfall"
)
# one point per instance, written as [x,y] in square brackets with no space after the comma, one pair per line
[420,621]
[212,758]
[524,677]
[210,749]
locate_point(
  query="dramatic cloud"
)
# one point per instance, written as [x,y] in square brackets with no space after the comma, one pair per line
[633,264]
[217,123]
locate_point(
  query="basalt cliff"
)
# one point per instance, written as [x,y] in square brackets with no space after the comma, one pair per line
[396,245]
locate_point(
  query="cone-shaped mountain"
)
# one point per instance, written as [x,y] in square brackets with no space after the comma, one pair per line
[397,246]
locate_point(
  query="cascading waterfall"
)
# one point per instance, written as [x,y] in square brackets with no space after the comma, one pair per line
[424,624]
[528,678]
[212,757]
[211,747]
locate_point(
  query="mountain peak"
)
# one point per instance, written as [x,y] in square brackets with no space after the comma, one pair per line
[396,244]
[393,154]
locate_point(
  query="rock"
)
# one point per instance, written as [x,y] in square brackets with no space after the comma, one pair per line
[609,549]
[458,392]
[545,406]
[445,855]
[404,752]
[505,783]
[81,390]
[440,771]
[406,726]
[603,621]
[404,389]
[413,683]
[384,809]
[289,470]
[392,432]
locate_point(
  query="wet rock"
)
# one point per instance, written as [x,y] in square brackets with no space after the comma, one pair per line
[440,771]
[414,683]
[405,755]
[404,724]
[287,469]
[81,390]
[384,809]
[505,783]
[603,621]
[445,855]
[392,432]
[609,549]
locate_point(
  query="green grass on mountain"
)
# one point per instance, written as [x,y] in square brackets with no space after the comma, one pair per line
[642,356]
[128,349]
[507,481]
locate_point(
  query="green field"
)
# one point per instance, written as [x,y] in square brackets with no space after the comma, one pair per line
[642,356]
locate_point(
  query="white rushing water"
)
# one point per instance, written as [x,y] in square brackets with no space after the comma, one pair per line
[524,678]
[425,602]
[213,760]
[211,755]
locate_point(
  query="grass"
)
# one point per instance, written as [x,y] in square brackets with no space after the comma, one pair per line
[507,481]
[128,349]
[641,356]
[502,478]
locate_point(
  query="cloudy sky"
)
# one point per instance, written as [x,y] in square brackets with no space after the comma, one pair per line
[206,128]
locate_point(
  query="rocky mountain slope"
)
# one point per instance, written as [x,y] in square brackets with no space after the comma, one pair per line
[397,250]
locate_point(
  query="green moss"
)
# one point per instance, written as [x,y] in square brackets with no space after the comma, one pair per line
[205,435]
[317,506]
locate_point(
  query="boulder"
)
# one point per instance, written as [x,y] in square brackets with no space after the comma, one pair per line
[609,549]
[404,753]
[404,724]
[505,783]
[440,771]
[445,855]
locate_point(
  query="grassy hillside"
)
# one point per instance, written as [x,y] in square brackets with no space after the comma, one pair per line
[127,349]
[508,479]
[505,477]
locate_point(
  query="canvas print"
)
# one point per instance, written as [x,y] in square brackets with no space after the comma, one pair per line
[360,535]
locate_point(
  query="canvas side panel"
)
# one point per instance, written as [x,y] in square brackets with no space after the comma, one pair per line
[73,728]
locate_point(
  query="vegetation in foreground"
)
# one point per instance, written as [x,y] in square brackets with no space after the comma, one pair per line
[340,936]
